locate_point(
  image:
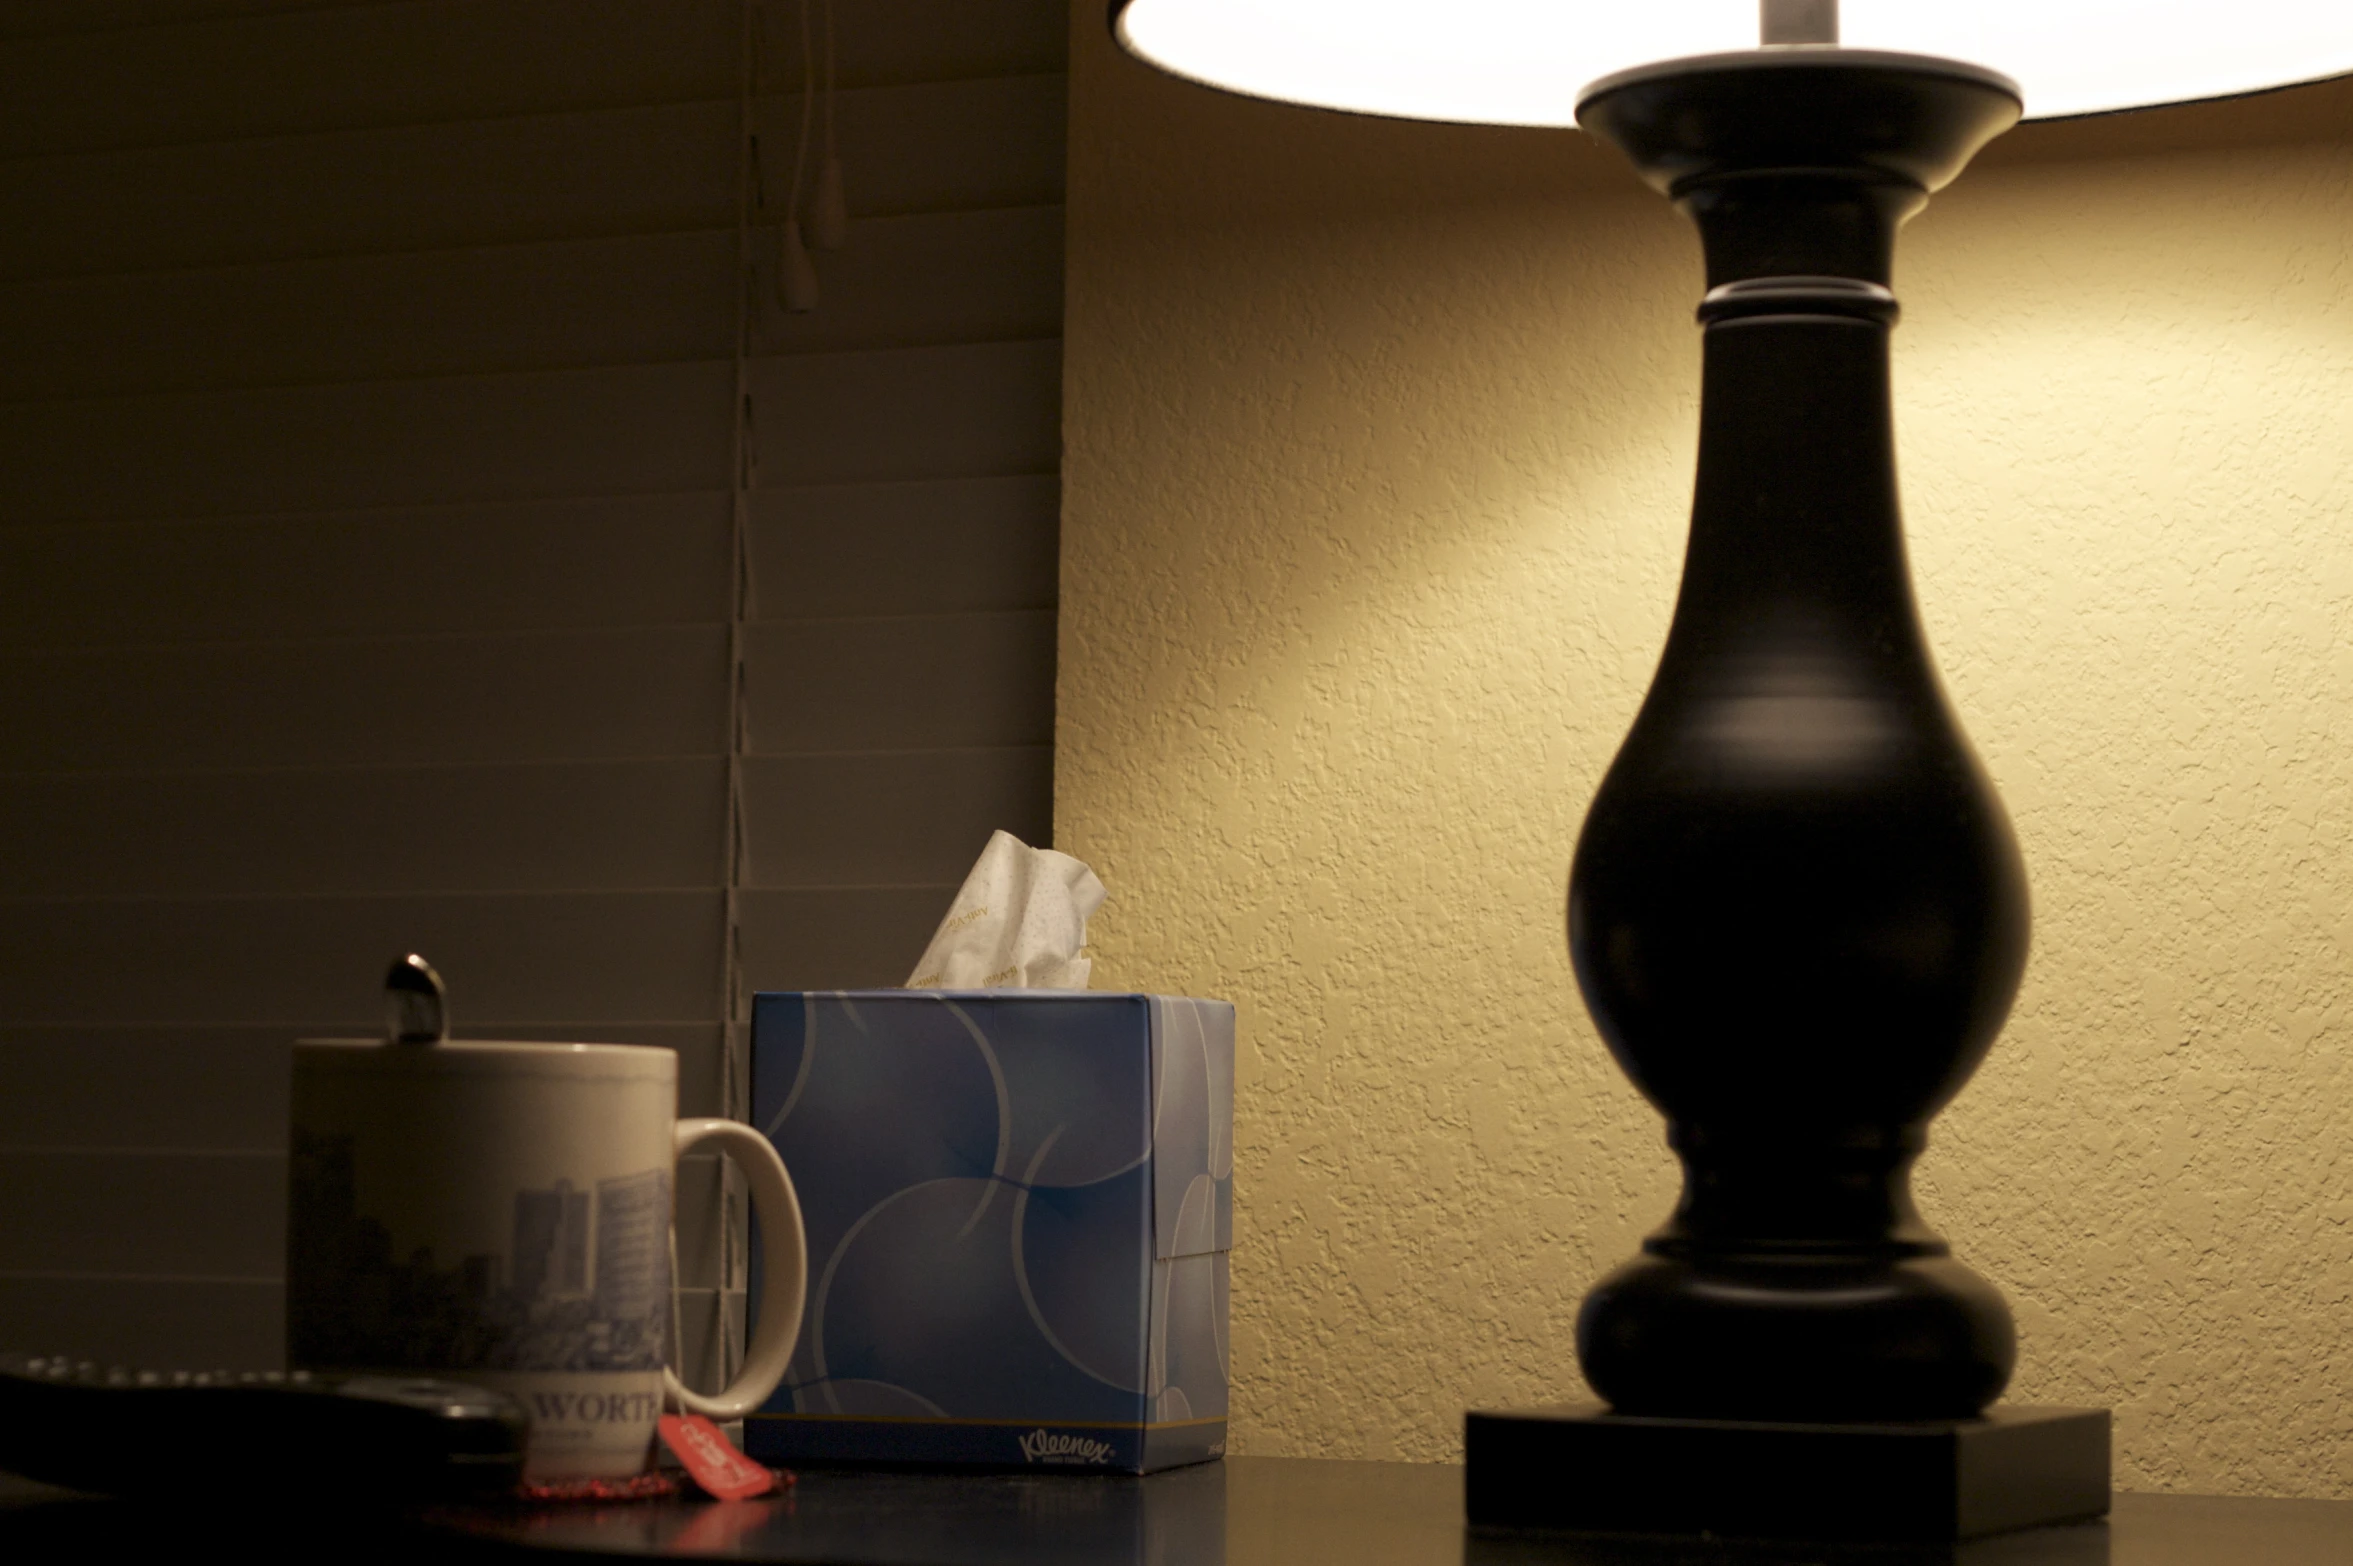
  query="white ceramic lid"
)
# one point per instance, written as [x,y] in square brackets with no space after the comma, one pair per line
[489,1057]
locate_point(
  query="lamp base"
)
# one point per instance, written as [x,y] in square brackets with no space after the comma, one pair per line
[1580,1468]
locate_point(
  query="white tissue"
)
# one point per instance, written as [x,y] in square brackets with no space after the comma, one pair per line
[1019,922]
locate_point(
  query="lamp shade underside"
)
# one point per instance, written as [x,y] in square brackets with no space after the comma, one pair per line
[1526,62]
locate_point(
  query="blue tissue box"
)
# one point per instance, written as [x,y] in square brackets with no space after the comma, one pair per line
[1019,1205]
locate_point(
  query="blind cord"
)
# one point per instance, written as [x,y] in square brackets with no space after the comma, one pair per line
[796,274]
[733,1220]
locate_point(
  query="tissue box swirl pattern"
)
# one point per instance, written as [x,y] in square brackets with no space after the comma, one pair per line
[1019,1207]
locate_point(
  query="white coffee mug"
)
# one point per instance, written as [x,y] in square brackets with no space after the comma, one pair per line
[500,1213]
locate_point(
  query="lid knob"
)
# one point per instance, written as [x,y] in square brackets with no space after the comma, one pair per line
[416,1005]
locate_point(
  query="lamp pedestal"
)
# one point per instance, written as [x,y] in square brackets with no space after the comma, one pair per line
[1797,911]
[1922,1482]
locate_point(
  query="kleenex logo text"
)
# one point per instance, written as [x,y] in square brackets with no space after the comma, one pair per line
[1043,1446]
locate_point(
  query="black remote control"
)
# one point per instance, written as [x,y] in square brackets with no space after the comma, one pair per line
[115,1431]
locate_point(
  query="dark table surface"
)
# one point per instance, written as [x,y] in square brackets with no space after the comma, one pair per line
[1245,1511]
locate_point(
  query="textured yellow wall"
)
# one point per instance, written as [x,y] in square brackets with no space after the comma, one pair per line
[1379,442]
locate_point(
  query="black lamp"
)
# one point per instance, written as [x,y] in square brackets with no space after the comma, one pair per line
[1797,911]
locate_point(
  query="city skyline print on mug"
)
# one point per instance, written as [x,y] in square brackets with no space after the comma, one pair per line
[584,1283]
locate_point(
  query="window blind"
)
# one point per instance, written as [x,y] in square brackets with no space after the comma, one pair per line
[368,512]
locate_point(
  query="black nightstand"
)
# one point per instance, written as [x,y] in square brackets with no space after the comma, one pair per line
[1245,1511]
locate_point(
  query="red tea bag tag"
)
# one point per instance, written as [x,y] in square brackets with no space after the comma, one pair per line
[712,1460]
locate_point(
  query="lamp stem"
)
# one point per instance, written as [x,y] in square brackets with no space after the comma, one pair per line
[1798,22]
[1797,910]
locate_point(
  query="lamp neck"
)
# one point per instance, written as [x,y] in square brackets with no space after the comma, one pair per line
[1798,222]
[1796,527]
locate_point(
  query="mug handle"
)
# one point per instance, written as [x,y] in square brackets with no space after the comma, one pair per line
[784,1269]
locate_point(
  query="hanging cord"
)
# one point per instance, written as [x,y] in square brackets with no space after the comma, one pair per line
[829,220]
[743,471]
[796,274]
[720,1336]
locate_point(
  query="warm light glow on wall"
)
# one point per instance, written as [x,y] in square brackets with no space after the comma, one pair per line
[1378,455]
[1523,62]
